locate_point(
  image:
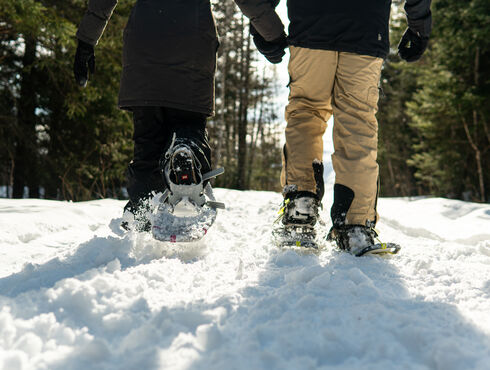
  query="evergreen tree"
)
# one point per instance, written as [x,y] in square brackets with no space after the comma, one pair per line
[69,141]
[450,111]
[246,117]
[396,136]
[75,143]
[434,130]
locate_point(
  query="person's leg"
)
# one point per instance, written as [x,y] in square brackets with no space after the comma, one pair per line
[150,138]
[312,74]
[154,131]
[355,135]
[189,129]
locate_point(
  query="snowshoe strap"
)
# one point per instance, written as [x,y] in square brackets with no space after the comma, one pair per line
[282,210]
[195,192]
[191,192]
[208,191]
[168,153]
[213,173]
[318,175]
[165,195]
[215,205]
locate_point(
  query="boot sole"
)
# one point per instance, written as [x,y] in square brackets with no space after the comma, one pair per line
[182,169]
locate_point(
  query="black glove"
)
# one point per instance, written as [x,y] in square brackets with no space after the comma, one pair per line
[272,50]
[84,62]
[412,46]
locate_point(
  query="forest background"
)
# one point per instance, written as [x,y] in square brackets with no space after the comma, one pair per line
[58,141]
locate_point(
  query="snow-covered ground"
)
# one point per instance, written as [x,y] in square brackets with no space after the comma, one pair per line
[76,293]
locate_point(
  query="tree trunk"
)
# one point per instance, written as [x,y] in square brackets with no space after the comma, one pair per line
[243,117]
[25,170]
[221,124]
[477,159]
[475,123]
[255,135]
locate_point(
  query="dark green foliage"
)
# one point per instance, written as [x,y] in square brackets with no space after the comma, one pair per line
[451,109]
[434,121]
[395,133]
[396,136]
[244,131]
[74,143]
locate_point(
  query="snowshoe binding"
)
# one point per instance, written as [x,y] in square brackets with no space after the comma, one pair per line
[187,208]
[359,241]
[298,216]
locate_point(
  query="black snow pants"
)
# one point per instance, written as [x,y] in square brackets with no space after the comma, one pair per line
[154,128]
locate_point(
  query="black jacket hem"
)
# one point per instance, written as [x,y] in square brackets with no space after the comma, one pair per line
[339,47]
[128,104]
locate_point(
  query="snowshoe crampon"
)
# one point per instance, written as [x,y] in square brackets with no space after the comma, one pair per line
[185,213]
[301,237]
[184,221]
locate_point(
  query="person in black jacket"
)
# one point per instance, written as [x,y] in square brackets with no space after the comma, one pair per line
[167,82]
[336,54]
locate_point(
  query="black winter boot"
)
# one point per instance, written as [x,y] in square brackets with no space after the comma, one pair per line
[182,164]
[354,239]
[143,174]
[137,217]
[300,208]
[298,215]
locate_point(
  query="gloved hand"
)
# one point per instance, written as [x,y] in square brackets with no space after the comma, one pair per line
[84,62]
[412,46]
[272,50]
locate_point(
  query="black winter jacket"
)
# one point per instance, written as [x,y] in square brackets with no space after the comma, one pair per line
[357,26]
[169,51]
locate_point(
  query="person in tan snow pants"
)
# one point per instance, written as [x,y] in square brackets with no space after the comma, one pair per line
[325,82]
[337,49]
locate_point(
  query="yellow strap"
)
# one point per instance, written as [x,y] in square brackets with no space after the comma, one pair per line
[383,245]
[281,211]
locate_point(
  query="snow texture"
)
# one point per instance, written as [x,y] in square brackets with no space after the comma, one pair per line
[191,226]
[76,293]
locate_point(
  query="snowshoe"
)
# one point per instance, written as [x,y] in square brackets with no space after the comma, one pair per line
[296,237]
[187,208]
[359,241]
[298,216]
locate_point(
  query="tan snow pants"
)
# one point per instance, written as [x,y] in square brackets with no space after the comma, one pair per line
[323,83]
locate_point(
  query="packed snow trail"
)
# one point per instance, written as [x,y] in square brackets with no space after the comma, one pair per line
[76,293]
